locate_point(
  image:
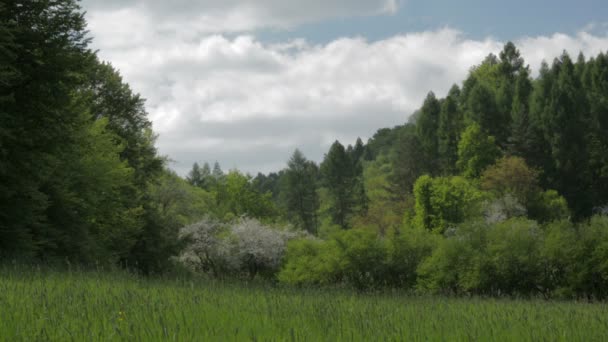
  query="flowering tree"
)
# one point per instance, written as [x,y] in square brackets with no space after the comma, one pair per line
[206,247]
[244,247]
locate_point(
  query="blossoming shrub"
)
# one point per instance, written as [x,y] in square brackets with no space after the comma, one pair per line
[244,247]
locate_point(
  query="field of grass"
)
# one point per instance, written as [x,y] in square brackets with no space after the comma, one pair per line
[42,305]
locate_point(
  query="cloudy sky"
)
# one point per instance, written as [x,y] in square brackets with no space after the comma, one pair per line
[245,82]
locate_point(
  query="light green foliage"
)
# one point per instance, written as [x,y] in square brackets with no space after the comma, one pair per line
[237,197]
[104,185]
[355,257]
[310,262]
[480,258]
[458,263]
[444,202]
[178,203]
[383,211]
[559,256]
[575,258]
[548,206]
[476,151]
[406,249]
[591,275]
[513,252]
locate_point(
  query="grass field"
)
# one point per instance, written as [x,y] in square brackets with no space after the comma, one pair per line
[96,306]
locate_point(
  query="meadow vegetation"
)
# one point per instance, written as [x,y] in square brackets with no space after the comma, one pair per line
[41,304]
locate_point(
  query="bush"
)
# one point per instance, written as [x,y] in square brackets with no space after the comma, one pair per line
[407,249]
[513,253]
[242,248]
[354,257]
[458,264]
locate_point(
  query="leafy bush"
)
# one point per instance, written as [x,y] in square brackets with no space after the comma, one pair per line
[355,257]
[406,249]
[444,202]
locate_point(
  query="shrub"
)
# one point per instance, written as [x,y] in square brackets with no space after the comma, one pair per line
[243,248]
[406,250]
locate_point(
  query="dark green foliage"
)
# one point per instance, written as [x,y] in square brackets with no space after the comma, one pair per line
[565,131]
[195,177]
[271,183]
[300,191]
[339,178]
[427,126]
[448,131]
[409,163]
[40,121]
[521,139]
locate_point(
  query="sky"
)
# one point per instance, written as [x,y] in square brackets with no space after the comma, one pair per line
[246,82]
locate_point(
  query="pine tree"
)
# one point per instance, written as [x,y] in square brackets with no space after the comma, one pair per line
[427,126]
[300,191]
[195,176]
[521,140]
[338,178]
[448,132]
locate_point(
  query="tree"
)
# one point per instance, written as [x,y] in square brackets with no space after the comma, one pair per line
[482,110]
[476,151]
[448,132]
[111,98]
[359,192]
[564,128]
[444,202]
[427,126]
[195,176]
[408,163]
[511,175]
[237,197]
[339,179]
[44,53]
[521,138]
[300,191]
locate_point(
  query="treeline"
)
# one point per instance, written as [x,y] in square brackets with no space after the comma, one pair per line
[553,127]
[498,188]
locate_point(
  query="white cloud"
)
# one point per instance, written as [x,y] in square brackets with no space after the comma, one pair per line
[248,104]
[191,18]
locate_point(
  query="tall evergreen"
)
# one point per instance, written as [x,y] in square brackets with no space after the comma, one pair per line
[521,140]
[448,132]
[300,191]
[427,126]
[408,163]
[339,179]
[565,130]
[195,176]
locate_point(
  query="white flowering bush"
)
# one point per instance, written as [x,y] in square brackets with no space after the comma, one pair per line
[503,208]
[206,247]
[245,247]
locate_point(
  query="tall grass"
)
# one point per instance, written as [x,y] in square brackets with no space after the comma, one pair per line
[39,304]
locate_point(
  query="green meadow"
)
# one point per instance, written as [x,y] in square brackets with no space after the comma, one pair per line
[45,305]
